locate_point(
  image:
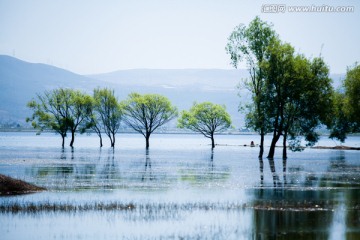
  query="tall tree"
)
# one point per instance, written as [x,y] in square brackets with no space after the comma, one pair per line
[299,95]
[205,118]
[347,105]
[250,44]
[309,101]
[51,111]
[352,96]
[61,110]
[277,68]
[93,122]
[110,111]
[80,108]
[146,113]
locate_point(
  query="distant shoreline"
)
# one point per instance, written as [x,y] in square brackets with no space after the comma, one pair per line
[126,132]
[337,148]
[159,132]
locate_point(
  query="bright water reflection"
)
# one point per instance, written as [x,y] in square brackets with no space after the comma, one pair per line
[179,189]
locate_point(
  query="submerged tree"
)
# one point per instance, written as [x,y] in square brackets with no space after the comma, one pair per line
[50,111]
[250,44]
[309,102]
[110,112]
[205,118]
[61,110]
[299,95]
[278,66]
[146,113]
[347,106]
[80,108]
[93,122]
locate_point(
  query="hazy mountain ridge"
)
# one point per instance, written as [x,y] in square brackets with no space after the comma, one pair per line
[21,81]
[175,78]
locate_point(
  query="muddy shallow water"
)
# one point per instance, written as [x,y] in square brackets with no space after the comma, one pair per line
[179,189]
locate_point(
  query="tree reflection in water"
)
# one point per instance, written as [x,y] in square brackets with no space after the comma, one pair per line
[323,207]
[148,174]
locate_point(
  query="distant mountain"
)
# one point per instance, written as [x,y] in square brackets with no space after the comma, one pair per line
[182,86]
[21,81]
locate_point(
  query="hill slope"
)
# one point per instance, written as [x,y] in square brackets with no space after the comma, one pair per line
[20,81]
[181,86]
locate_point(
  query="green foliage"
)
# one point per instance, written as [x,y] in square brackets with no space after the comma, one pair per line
[61,110]
[250,45]
[205,118]
[352,96]
[298,93]
[347,106]
[146,113]
[109,111]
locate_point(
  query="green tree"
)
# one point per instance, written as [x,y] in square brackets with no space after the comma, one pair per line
[146,113]
[250,44]
[309,102]
[80,108]
[352,96]
[299,95]
[61,110]
[347,105]
[205,118]
[50,111]
[110,112]
[278,67]
[93,122]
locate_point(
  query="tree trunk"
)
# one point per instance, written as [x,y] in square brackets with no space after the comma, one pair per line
[99,135]
[63,141]
[112,140]
[262,136]
[147,141]
[273,145]
[212,141]
[284,146]
[72,138]
[101,144]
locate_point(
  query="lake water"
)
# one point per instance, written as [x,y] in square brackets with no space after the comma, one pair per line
[179,189]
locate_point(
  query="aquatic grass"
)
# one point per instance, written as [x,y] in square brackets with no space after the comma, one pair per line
[17,207]
[170,209]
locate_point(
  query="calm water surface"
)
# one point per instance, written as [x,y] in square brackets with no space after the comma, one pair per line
[179,189]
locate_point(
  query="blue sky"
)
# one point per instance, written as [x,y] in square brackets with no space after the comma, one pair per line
[93,36]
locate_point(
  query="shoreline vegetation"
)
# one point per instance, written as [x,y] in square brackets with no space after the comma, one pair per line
[275,205]
[130,131]
[11,186]
[339,147]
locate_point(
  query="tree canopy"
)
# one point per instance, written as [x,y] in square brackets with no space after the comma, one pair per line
[250,44]
[60,110]
[291,95]
[205,118]
[347,105]
[146,113]
[299,95]
[110,112]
